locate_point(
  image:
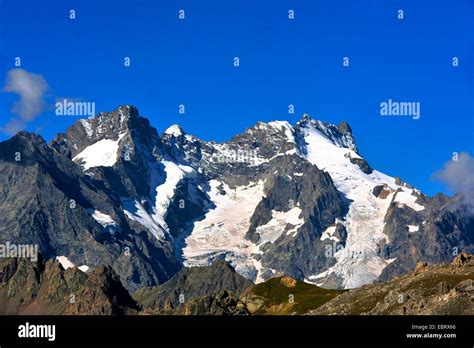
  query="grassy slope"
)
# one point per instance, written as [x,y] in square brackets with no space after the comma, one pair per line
[276,297]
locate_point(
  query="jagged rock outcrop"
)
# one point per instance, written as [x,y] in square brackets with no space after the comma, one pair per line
[192,283]
[430,289]
[224,303]
[44,287]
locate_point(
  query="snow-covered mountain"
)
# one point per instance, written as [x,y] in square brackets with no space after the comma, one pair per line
[279,199]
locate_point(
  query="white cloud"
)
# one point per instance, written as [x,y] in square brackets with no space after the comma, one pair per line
[459,177]
[31,88]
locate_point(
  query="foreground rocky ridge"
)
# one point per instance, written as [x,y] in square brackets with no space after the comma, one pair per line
[192,283]
[47,288]
[429,290]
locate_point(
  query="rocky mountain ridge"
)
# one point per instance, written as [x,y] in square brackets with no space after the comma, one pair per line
[276,200]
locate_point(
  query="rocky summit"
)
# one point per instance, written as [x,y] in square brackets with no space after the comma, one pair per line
[279,200]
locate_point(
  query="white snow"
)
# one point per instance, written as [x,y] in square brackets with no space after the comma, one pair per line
[174,130]
[222,231]
[271,231]
[225,154]
[66,264]
[329,234]
[286,127]
[406,198]
[87,127]
[136,212]
[101,153]
[122,118]
[165,192]
[413,228]
[162,193]
[83,268]
[105,220]
[318,276]
[358,262]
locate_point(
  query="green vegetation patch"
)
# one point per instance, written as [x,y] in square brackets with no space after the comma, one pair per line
[299,298]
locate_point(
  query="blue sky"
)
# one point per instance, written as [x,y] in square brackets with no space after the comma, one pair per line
[282,62]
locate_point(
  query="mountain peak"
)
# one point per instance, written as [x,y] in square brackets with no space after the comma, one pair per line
[28,147]
[340,135]
[129,110]
[117,120]
[174,130]
[344,127]
[107,127]
[30,137]
[306,117]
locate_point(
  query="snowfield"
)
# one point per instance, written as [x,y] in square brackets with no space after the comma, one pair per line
[221,234]
[357,263]
[102,153]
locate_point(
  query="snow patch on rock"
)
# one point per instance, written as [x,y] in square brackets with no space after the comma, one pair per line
[66,264]
[87,127]
[174,130]
[406,198]
[102,153]
[105,221]
[135,211]
[271,231]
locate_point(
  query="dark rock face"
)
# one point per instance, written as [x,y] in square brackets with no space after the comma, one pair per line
[192,283]
[139,147]
[362,164]
[381,191]
[445,230]
[103,294]
[344,127]
[321,204]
